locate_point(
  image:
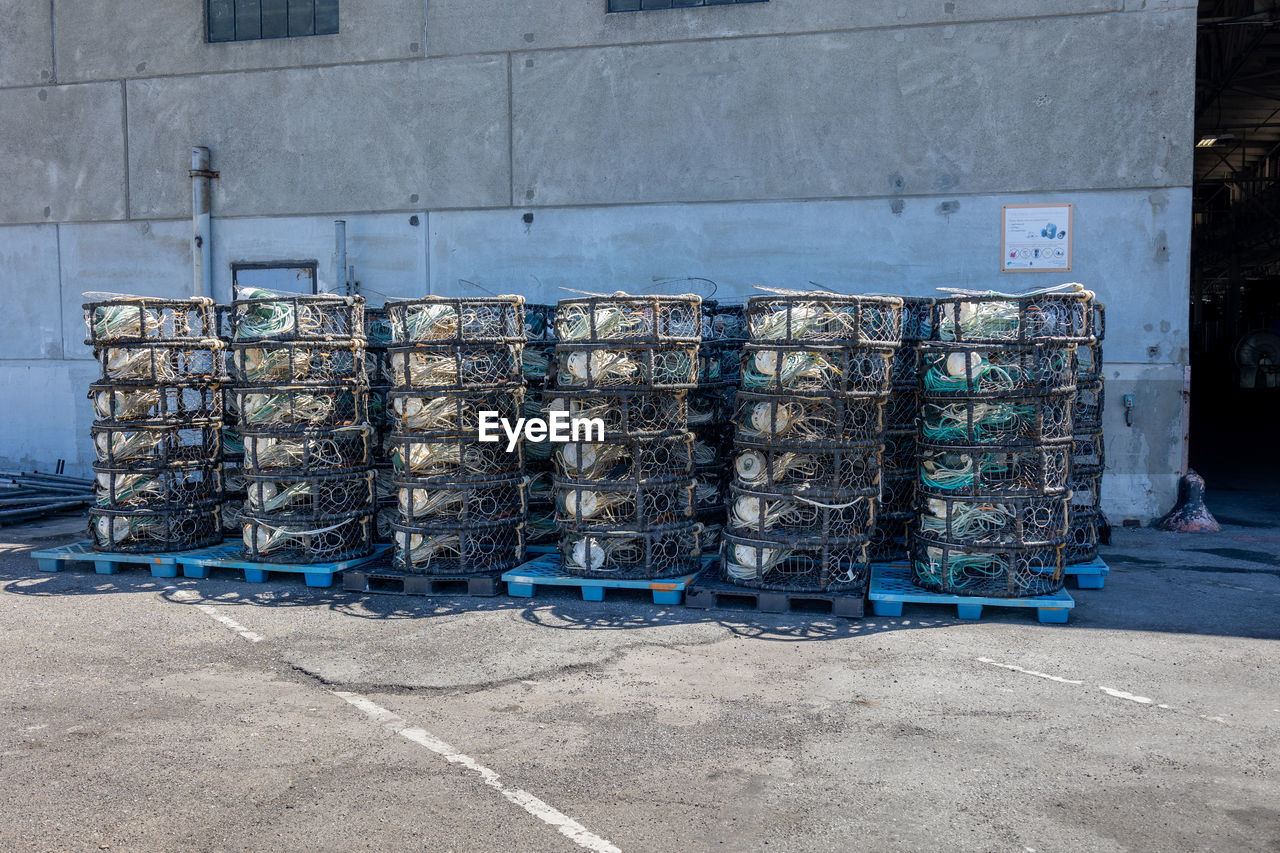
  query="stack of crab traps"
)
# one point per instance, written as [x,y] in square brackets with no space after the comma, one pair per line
[157,423]
[462,500]
[377,333]
[711,413]
[539,368]
[1088,453]
[995,443]
[624,487]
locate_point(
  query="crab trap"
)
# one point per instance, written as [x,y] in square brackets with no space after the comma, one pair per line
[456,367]
[625,366]
[624,414]
[126,446]
[475,502]
[317,406]
[990,370]
[1086,413]
[453,412]
[990,472]
[161,362]
[798,519]
[123,319]
[777,564]
[299,363]
[723,322]
[189,487]
[1082,534]
[303,450]
[620,553]
[625,317]
[458,548]
[265,315]
[1005,571]
[816,369]
[828,470]
[456,458]
[159,405]
[1020,420]
[270,540]
[1017,521]
[1060,315]
[808,421]
[449,320]
[627,460]
[140,530]
[791,317]
[313,499]
[640,507]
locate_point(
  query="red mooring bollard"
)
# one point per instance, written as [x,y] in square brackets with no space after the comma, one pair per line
[1189,514]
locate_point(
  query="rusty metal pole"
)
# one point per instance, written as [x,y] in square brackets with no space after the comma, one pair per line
[202,221]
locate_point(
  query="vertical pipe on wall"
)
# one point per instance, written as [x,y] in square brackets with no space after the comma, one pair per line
[201,221]
[343,284]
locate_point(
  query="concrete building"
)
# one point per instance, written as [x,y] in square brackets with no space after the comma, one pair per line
[530,145]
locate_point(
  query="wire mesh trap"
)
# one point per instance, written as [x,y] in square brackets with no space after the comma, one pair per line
[1086,413]
[449,320]
[639,507]
[1056,315]
[626,367]
[458,549]
[459,458]
[121,319]
[1015,521]
[627,461]
[157,405]
[659,553]
[1082,534]
[451,413]
[265,315]
[821,472]
[306,451]
[996,370]
[991,471]
[481,501]
[456,367]
[1006,571]
[149,447]
[289,363]
[796,421]
[314,500]
[787,317]
[625,414]
[286,407]
[160,363]
[190,487]
[539,323]
[816,369]
[796,520]
[135,530]
[724,322]
[268,540]
[1088,454]
[625,317]
[719,363]
[769,564]
[1015,421]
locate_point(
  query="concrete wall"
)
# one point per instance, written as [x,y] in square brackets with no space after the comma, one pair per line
[865,145]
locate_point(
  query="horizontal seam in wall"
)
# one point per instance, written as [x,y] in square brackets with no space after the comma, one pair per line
[605,45]
[590,205]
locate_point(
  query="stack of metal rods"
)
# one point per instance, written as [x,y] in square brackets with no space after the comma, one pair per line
[724,330]
[625,499]
[1088,452]
[898,490]
[808,441]
[995,442]
[25,496]
[158,421]
[377,333]
[302,395]
[462,501]
[539,374]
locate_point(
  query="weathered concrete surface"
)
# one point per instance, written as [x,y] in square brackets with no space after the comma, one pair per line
[975,108]
[44,416]
[387,250]
[124,711]
[1131,247]
[454,26]
[64,153]
[26,43]
[139,258]
[1142,460]
[30,323]
[350,138]
[101,39]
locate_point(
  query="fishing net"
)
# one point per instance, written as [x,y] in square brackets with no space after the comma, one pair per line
[289,407]
[996,371]
[627,461]
[1006,571]
[797,520]
[315,500]
[539,323]
[476,502]
[638,507]
[826,473]
[719,363]
[157,405]
[377,328]
[153,447]
[830,566]
[814,369]
[1061,316]
[456,367]
[120,319]
[305,451]
[458,458]
[710,408]
[991,471]
[537,363]
[626,367]
[453,413]
[900,458]
[624,414]
[191,487]
[459,549]
[797,421]
[902,408]
[1086,414]
[269,540]
[724,322]
[299,363]
[658,553]
[984,521]
[134,530]
[161,363]
[788,317]
[624,317]
[264,315]
[448,320]
[1013,421]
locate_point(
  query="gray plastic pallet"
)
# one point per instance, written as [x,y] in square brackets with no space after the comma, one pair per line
[708,590]
[387,581]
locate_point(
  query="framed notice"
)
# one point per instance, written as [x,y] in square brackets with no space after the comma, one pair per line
[1036,237]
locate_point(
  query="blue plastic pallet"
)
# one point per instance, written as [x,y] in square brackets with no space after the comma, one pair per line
[1090,575]
[162,565]
[198,564]
[891,586]
[545,571]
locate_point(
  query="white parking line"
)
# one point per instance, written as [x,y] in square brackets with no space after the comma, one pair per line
[565,825]
[1110,691]
[186,595]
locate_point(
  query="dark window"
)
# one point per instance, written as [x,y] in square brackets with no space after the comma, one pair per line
[284,276]
[243,20]
[645,5]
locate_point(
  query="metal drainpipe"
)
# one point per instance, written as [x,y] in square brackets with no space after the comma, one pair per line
[201,221]
[340,243]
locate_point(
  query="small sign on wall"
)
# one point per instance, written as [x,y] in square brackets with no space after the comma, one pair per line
[1036,237]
